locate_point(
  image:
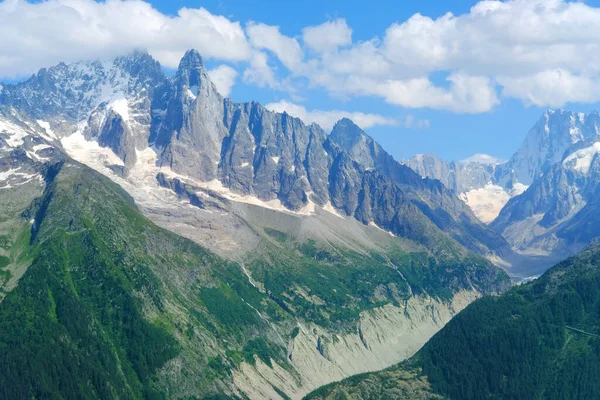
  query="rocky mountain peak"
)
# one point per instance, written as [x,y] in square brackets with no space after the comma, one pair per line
[345,132]
[546,143]
[191,60]
[141,65]
[353,140]
[190,71]
[192,79]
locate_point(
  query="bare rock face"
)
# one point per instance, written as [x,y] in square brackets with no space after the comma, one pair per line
[487,184]
[546,143]
[273,156]
[458,176]
[193,127]
[116,135]
[429,196]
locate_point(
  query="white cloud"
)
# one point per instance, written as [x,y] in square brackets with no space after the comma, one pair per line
[42,34]
[327,119]
[468,94]
[328,36]
[266,37]
[412,122]
[259,72]
[542,52]
[223,77]
[552,88]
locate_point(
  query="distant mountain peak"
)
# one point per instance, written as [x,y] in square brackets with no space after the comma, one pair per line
[347,134]
[482,158]
[345,121]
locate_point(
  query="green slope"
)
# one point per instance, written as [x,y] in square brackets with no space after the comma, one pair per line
[112,306]
[331,285]
[538,341]
[109,298]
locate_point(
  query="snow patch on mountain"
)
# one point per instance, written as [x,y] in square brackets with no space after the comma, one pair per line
[45,125]
[89,152]
[121,107]
[14,177]
[193,92]
[331,209]
[581,160]
[141,181]
[488,201]
[15,133]
[374,225]
[6,174]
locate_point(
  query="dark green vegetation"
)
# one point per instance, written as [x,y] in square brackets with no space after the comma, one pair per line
[394,383]
[97,313]
[111,306]
[539,341]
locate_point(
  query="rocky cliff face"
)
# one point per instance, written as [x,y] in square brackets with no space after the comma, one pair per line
[458,176]
[546,144]
[473,180]
[431,197]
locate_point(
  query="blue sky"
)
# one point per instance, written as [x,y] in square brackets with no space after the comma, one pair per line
[473,81]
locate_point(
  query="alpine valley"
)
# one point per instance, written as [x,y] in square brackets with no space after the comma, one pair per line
[158,240]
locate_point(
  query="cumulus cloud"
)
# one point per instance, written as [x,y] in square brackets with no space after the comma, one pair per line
[327,119]
[259,72]
[552,88]
[223,77]
[328,36]
[542,52]
[266,37]
[468,94]
[42,34]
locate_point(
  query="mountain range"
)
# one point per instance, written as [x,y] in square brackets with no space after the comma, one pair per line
[172,243]
[182,245]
